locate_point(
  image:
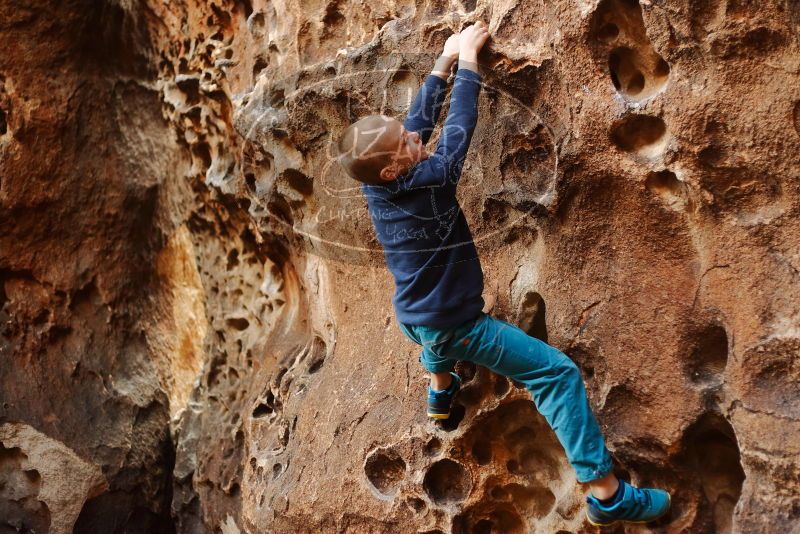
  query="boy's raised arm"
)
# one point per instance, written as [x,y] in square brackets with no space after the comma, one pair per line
[424,111]
[463,115]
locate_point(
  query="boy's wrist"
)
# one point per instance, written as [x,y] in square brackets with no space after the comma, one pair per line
[443,66]
[468,59]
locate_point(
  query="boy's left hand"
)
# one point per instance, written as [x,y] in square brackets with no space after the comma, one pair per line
[449,55]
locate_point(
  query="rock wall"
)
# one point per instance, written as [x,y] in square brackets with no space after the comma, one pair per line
[195,317]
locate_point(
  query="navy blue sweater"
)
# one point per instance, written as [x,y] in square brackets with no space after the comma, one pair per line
[426,241]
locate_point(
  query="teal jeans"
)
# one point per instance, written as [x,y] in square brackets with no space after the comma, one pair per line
[553,380]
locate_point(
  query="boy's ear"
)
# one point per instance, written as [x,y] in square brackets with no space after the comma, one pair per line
[389,172]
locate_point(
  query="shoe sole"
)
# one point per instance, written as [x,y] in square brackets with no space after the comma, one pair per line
[656,518]
[439,415]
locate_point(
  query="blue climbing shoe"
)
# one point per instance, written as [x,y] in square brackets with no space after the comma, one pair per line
[439,401]
[634,505]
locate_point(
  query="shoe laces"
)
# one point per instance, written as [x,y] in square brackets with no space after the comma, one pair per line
[440,394]
[640,496]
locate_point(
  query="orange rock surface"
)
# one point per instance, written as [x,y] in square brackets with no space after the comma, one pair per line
[195,316]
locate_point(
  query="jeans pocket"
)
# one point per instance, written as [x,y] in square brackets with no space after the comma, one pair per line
[461,337]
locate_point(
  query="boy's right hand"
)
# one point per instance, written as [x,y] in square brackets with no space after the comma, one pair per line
[472,39]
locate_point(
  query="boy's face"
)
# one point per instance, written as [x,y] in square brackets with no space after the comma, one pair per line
[408,151]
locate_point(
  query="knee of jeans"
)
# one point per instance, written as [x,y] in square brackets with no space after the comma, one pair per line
[568,368]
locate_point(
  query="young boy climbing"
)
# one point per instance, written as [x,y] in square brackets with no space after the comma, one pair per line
[429,249]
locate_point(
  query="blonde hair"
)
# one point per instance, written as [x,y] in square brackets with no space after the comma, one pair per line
[366,147]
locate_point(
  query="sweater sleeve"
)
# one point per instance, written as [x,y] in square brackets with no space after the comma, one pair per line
[460,124]
[424,111]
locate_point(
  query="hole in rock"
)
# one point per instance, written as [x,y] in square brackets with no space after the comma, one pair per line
[664,182]
[433,447]
[469,5]
[262,409]
[3,124]
[537,502]
[526,167]
[713,456]
[195,115]
[437,8]
[501,385]
[416,504]
[333,18]
[616,409]
[316,365]
[625,75]
[41,318]
[447,481]
[662,68]
[466,370]
[250,181]
[636,69]
[673,191]
[470,395]
[276,98]
[501,519]
[756,41]
[499,493]
[532,316]
[457,412]
[532,459]
[260,64]
[641,134]
[265,161]
[315,354]
[773,373]
[237,323]
[280,209]
[257,21]
[202,151]
[521,436]
[709,358]
[712,156]
[608,32]
[245,7]
[482,451]
[385,470]
[484,526]
[299,182]
[275,382]
[223,18]
[191,88]
[403,87]
[233,260]
[21,510]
